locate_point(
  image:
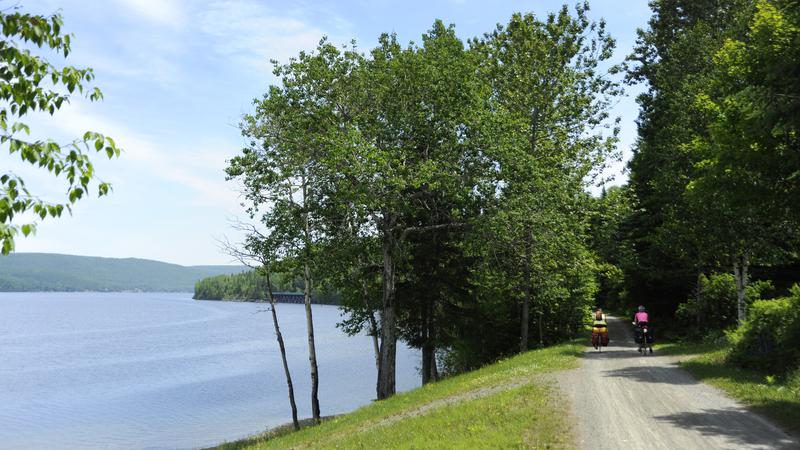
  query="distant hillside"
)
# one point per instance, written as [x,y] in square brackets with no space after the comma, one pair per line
[54,272]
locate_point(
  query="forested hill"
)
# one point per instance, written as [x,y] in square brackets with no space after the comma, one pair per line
[54,272]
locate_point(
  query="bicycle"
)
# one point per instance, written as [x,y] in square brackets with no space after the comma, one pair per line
[646,339]
[597,338]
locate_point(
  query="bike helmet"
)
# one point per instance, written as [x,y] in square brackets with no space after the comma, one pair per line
[641,308]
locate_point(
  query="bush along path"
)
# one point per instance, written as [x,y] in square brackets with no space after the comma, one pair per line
[622,399]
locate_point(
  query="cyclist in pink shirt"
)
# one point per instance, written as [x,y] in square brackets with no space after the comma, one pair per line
[640,316]
[640,320]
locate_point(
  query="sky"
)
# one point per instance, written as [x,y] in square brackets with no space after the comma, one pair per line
[178,75]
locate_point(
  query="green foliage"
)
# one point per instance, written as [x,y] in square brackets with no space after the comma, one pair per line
[714,307]
[29,83]
[609,213]
[770,338]
[530,243]
[440,186]
[51,272]
[611,286]
[673,56]
[751,150]
[434,289]
[746,159]
[714,172]
[249,285]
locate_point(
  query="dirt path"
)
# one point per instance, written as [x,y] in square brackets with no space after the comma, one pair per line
[623,400]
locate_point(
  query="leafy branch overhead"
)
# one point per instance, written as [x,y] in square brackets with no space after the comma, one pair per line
[28,84]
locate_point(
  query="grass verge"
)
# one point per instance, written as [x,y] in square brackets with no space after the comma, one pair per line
[507,404]
[778,399]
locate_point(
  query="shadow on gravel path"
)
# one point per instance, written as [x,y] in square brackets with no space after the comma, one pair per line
[731,423]
[622,399]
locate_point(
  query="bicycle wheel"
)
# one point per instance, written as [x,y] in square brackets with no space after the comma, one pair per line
[644,343]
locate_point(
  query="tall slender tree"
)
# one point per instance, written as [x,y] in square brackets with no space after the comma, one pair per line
[550,101]
[280,173]
[259,252]
[414,125]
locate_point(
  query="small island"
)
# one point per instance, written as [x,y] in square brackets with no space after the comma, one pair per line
[251,286]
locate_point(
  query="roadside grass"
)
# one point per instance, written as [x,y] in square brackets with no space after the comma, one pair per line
[776,398]
[506,404]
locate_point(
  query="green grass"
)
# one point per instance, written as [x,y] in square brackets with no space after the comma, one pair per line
[778,399]
[507,404]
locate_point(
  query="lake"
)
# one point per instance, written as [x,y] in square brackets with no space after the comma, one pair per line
[144,370]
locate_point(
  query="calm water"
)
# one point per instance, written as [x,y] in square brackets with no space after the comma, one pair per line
[124,370]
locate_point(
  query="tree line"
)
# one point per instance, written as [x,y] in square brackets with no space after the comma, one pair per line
[252,286]
[439,187]
[707,227]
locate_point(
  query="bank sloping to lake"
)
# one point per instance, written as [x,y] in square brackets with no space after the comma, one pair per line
[513,403]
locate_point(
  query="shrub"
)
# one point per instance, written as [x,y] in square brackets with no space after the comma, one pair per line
[770,338]
[715,308]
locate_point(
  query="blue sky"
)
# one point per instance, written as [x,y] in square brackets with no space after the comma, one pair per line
[177,76]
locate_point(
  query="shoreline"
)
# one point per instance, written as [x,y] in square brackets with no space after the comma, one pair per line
[271,433]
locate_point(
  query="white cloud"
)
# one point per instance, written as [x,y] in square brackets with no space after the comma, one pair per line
[160,12]
[170,199]
[248,31]
[154,67]
[199,169]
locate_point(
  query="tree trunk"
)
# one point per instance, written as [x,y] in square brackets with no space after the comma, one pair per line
[434,368]
[541,332]
[282,347]
[373,328]
[526,289]
[307,288]
[698,295]
[429,370]
[740,266]
[312,351]
[386,371]
[526,275]
[373,325]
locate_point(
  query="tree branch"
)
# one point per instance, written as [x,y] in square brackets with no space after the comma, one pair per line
[427,228]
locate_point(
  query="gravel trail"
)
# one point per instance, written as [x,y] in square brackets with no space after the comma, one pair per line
[623,400]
